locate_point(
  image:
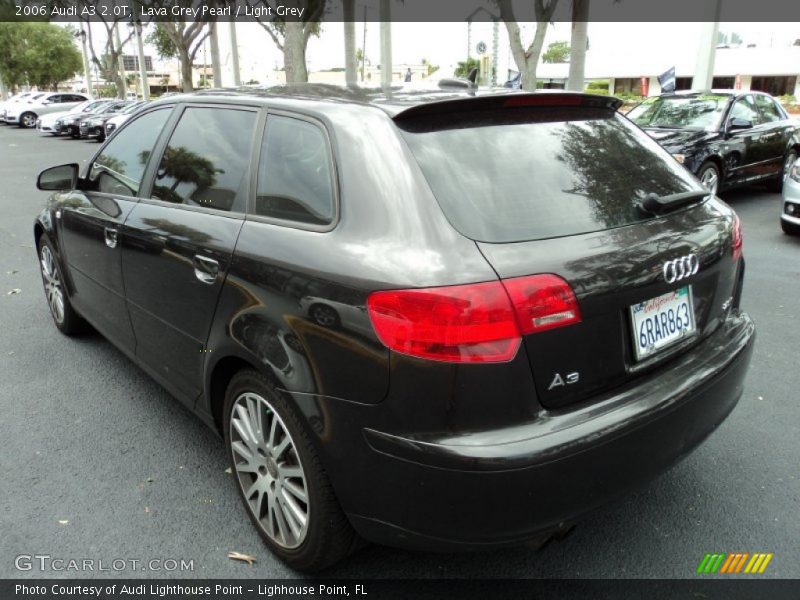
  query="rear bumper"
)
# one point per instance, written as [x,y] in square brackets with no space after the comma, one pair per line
[491,488]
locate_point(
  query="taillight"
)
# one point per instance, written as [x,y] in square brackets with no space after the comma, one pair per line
[737,238]
[481,322]
[542,302]
[464,323]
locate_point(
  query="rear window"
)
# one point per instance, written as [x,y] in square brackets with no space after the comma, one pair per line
[535,173]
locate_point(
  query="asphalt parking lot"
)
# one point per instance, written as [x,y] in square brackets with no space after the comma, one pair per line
[99,462]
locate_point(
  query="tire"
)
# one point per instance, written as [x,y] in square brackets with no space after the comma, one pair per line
[279,482]
[325,315]
[790,228]
[66,319]
[709,176]
[27,120]
[776,184]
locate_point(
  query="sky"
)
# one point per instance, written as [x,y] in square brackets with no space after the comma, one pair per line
[445,44]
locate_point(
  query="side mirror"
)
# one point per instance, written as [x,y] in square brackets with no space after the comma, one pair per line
[58,179]
[739,124]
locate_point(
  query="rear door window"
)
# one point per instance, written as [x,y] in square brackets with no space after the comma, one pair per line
[534,173]
[207,160]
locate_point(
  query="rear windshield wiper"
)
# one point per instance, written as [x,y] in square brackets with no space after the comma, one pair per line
[653,203]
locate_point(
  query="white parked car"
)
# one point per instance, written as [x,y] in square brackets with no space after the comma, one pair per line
[26,113]
[14,99]
[46,123]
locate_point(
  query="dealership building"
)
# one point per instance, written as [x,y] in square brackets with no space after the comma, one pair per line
[775,70]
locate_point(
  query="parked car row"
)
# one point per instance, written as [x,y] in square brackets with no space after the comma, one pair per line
[76,115]
[729,138]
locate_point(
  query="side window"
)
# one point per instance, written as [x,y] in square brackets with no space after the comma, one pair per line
[207,159]
[745,108]
[295,179]
[120,167]
[55,99]
[769,111]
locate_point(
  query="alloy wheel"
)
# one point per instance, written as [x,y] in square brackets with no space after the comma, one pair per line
[269,471]
[28,120]
[52,284]
[710,179]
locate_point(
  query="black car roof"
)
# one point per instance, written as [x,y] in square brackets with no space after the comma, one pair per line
[394,100]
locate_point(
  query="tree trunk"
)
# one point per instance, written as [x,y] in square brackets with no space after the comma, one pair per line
[527,60]
[578,42]
[186,70]
[294,53]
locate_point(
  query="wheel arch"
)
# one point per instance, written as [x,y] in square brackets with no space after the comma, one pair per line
[219,376]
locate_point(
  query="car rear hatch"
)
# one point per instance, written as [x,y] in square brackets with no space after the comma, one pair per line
[555,184]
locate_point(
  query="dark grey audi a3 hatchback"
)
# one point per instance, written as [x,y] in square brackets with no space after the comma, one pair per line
[438,320]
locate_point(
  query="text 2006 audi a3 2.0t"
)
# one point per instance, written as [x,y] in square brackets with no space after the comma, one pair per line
[438,321]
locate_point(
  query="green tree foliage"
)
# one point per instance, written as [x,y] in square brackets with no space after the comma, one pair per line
[463,68]
[163,43]
[39,54]
[557,52]
[431,68]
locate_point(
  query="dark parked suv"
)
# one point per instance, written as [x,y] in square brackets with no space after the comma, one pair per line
[434,320]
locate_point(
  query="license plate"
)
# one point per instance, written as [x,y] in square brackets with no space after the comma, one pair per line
[662,321]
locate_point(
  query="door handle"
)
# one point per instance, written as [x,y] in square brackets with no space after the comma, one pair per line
[111,237]
[205,269]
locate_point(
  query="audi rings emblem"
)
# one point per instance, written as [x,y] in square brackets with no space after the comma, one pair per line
[680,268]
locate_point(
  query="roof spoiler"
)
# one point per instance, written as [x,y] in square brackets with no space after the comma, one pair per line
[511,100]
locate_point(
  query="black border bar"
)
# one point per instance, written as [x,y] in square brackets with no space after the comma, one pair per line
[706,588]
[400,10]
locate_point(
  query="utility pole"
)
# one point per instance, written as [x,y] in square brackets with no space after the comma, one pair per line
[386,43]
[237,76]
[86,72]
[216,65]
[350,42]
[704,67]
[142,64]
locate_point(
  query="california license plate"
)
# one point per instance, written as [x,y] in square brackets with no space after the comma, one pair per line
[662,321]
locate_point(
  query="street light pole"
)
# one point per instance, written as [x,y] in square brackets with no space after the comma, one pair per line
[86,72]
